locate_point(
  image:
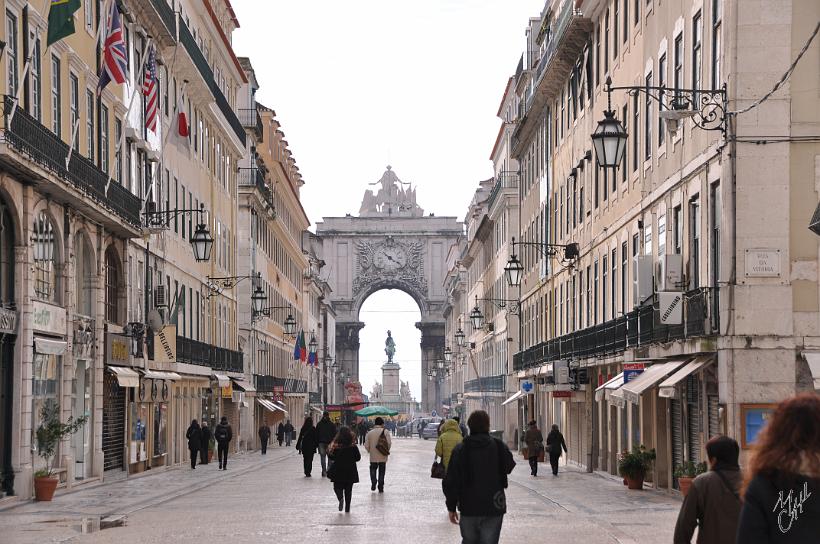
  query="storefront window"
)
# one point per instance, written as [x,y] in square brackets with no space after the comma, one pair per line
[160,430]
[44,387]
[45,256]
[138,418]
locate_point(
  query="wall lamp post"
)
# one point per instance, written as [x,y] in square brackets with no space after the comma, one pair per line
[201,240]
[217,283]
[289,325]
[706,107]
[460,338]
[477,318]
[514,270]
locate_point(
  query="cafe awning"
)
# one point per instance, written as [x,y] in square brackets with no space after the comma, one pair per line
[603,391]
[222,379]
[269,406]
[160,375]
[281,405]
[126,377]
[667,388]
[243,385]
[633,389]
[49,347]
[515,396]
[813,358]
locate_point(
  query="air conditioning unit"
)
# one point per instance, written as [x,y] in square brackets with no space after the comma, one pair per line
[669,273]
[642,280]
[161,296]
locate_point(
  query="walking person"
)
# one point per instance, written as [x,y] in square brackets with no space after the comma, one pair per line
[306,444]
[205,447]
[223,434]
[377,442]
[194,436]
[781,495]
[264,436]
[361,431]
[280,433]
[713,502]
[344,453]
[325,433]
[475,482]
[535,447]
[288,433]
[461,426]
[555,442]
[449,438]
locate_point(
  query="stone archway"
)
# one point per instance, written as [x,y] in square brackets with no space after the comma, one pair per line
[390,245]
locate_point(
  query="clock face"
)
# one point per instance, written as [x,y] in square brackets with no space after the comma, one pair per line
[390,258]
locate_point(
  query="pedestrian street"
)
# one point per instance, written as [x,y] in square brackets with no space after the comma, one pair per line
[270,500]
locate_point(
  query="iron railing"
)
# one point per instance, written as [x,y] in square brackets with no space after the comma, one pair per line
[485,384]
[253,177]
[166,13]
[227,111]
[504,180]
[28,136]
[266,384]
[250,118]
[201,354]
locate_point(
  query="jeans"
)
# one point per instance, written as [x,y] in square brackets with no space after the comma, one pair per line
[264,446]
[222,451]
[308,462]
[288,438]
[534,465]
[193,453]
[554,457]
[381,468]
[343,490]
[323,458]
[480,529]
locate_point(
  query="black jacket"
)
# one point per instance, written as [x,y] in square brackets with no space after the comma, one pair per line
[555,442]
[223,433]
[307,441]
[477,476]
[780,509]
[280,432]
[344,470]
[264,433]
[288,428]
[326,431]
[206,438]
[194,436]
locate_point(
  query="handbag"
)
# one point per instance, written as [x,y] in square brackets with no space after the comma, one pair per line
[382,445]
[437,470]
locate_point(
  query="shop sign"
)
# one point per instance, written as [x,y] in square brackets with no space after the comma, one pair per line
[8,321]
[671,307]
[279,393]
[48,318]
[561,371]
[631,373]
[562,394]
[165,345]
[527,386]
[227,391]
[116,350]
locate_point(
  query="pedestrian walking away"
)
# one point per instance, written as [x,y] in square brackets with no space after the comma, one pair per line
[713,501]
[306,444]
[264,436]
[205,447]
[475,482]
[461,426]
[223,434]
[344,453]
[280,433]
[377,442]
[781,492]
[361,431]
[535,447]
[555,445]
[325,433]
[449,438]
[194,436]
[288,433]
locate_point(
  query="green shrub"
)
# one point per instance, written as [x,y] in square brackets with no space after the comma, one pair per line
[689,469]
[636,463]
[51,432]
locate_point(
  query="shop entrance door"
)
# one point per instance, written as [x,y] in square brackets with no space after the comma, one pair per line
[81,441]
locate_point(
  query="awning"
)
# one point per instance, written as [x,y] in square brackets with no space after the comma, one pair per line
[515,396]
[158,375]
[607,388]
[667,388]
[126,377]
[648,378]
[49,347]
[281,405]
[222,379]
[269,406]
[317,409]
[244,385]
[545,369]
[813,358]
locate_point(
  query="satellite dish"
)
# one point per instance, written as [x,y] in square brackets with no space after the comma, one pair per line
[155,321]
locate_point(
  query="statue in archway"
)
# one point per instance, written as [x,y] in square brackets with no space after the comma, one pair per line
[390,347]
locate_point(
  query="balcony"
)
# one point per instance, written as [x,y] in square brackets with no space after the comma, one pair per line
[158,19]
[267,384]
[197,353]
[37,154]
[639,327]
[250,119]
[486,384]
[254,178]
[227,111]
[504,180]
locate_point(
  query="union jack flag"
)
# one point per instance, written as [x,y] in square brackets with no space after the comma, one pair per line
[149,90]
[115,58]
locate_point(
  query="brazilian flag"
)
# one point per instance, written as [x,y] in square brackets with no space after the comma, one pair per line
[61,19]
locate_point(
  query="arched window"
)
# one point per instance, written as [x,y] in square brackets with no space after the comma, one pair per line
[113,278]
[84,274]
[6,256]
[44,241]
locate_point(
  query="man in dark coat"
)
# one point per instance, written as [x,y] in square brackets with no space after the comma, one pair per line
[206,444]
[223,434]
[535,446]
[555,442]
[194,436]
[475,482]
[325,432]
[713,502]
[264,436]
[306,444]
[288,433]
[280,433]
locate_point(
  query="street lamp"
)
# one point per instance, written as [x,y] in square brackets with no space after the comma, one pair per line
[313,344]
[459,338]
[290,325]
[476,317]
[448,354]
[609,141]
[202,242]
[514,271]
[258,299]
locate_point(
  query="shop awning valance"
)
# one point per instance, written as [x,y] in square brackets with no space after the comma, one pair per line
[160,375]
[126,377]
[49,347]
[604,390]
[281,405]
[633,389]
[270,406]
[813,358]
[222,379]
[243,385]
[514,397]
[667,387]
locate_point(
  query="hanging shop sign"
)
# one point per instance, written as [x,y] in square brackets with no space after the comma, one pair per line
[116,350]
[632,370]
[8,321]
[671,307]
[165,345]
[227,391]
[527,386]
[279,393]
[48,318]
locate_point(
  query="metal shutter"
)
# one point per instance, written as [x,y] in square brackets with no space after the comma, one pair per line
[713,413]
[677,432]
[113,427]
[693,418]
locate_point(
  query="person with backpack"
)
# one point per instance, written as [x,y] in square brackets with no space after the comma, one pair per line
[325,433]
[306,444]
[713,503]
[475,482]
[194,436]
[555,441]
[535,446]
[223,434]
[377,442]
[343,472]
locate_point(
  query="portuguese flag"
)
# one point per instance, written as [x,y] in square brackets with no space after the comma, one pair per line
[61,19]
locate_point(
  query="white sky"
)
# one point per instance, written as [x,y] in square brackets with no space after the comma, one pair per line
[362,84]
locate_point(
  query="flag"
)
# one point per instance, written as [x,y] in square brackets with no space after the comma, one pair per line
[297,351]
[182,129]
[115,58]
[149,90]
[302,347]
[61,20]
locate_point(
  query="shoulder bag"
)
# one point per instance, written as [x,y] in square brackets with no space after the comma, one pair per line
[382,445]
[437,470]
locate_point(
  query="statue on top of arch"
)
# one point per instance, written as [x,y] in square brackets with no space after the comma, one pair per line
[393,199]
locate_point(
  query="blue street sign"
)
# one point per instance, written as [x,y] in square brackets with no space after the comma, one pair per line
[631,374]
[434,414]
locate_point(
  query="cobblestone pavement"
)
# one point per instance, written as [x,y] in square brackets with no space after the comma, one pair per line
[269,500]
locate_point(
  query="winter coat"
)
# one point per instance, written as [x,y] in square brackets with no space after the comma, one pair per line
[534,440]
[288,429]
[780,508]
[223,433]
[264,433]
[307,442]
[344,464]
[555,441]
[450,437]
[370,441]
[325,431]
[194,436]
[280,432]
[477,476]
[712,507]
[206,438]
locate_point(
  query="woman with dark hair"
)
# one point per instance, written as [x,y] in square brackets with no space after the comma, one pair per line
[194,436]
[343,472]
[555,442]
[307,443]
[781,499]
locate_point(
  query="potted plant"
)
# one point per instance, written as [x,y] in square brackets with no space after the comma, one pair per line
[633,465]
[211,448]
[687,472]
[49,435]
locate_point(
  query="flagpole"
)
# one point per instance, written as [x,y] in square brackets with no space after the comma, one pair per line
[73,140]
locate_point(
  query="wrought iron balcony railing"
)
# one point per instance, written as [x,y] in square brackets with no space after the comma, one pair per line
[253,177]
[485,384]
[265,383]
[199,353]
[250,118]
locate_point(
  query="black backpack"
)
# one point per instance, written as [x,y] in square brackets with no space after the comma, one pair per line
[221,433]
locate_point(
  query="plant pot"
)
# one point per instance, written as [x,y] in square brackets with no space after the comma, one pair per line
[44,488]
[684,482]
[634,483]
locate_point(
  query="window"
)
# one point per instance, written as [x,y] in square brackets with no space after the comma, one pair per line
[36,78]
[677,76]
[595,294]
[597,182]
[176,205]
[626,21]
[118,153]
[56,114]
[614,280]
[606,42]
[662,235]
[84,274]
[604,184]
[677,235]
[598,56]
[581,205]
[589,297]
[648,120]
[184,223]
[624,259]
[697,53]
[74,107]
[714,258]
[112,286]
[615,22]
[45,270]
[11,54]
[604,271]
[581,323]
[637,11]
[694,242]
[89,123]
[104,138]
[661,83]
[625,164]
[647,240]
[636,133]
[717,17]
